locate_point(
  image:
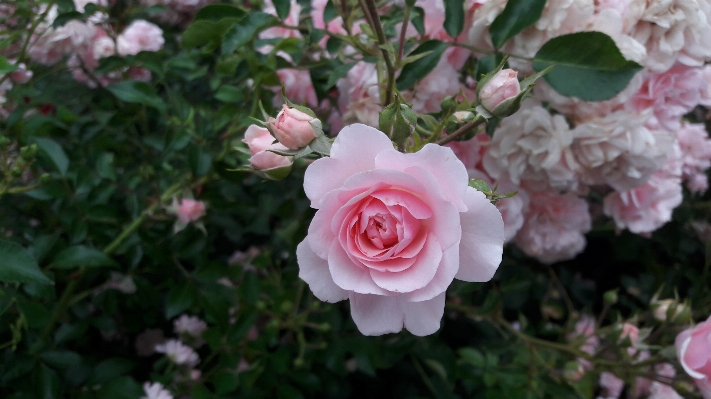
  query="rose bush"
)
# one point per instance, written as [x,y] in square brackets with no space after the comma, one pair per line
[393,230]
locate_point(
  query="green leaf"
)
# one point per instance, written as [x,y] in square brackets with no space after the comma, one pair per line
[200,161]
[487,64]
[55,153]
[217,12]
[329,13]
[132,91]
[339,72]
[17,265]
[243,31]
[66,17]
[454,17]
[517,16]
[596,74]
[415,71]
[6,66]
[105,166]
[282,8]
[121,388]
[418,19]
[81,255]
[179,299]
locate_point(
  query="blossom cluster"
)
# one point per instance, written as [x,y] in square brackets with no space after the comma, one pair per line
[635,151]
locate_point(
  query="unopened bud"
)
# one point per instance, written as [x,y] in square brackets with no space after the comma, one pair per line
[286,306]
[573,371]
[260,305]
[448,105]
[29,153]
[610,297]
[398,121]
[324,327]
[45,178]
[16,172]
[670,310]
[4,141]
[298,362]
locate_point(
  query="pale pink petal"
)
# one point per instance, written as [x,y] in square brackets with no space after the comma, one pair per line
[320,234]
[444,223]
[377,314]
[407,200]
[448,170]
[314,271]
[416,276]
[482,241]
[353,151]
[349,275]
[448,267]
[423,318]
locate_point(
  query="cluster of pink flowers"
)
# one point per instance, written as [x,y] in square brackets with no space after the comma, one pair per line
[84,43]
[177,12]
[635,150]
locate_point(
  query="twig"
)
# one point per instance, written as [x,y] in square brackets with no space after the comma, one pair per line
[469,126]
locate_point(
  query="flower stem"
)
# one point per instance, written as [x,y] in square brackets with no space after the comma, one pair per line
[371,10]
[467,127]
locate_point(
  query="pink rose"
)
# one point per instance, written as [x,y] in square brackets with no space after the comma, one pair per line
[393,230]
[139,36]
[501,87]
[292,128]
[259,141]
[693,348]
[188,210]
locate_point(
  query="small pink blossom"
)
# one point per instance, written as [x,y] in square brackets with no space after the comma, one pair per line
[502,86]
[670,95]
[695,147]
[298,86]
[292,128]
[693,349]
[179,353]
[645,208]
[155,391]
[585,330]
[611,385]
[359,95]
[139,36]
[188,210]
[189,325]
[393,230]
[555,226]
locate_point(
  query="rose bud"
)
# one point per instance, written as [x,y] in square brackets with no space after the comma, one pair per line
[293,128]
[270,164]
[501,87]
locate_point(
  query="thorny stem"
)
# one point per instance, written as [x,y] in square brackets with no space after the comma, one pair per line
[467,127]
[370,8]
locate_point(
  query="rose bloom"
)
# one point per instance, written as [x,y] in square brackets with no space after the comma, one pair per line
[188,210]
[155,391]
[502,86]
[393,230]
[292,128]
[693,349]
[139,36]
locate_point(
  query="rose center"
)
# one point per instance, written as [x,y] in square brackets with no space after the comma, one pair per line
[382,230]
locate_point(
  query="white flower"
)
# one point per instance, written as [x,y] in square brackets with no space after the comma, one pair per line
[619,150]
[532,149]
[189,325]
[155,391]
[179,353]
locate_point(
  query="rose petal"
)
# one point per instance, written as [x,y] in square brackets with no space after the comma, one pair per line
[416,276]
[349,275]
[482,243]
[353,151]
[444,223]
[440,161]
[448,267]
[423,318]
[314,271]
[407,200]
[377,314]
